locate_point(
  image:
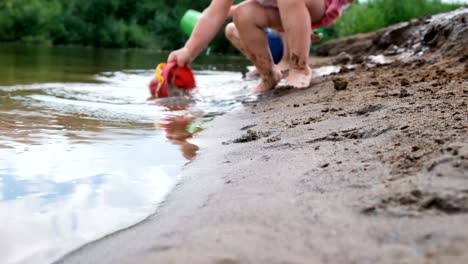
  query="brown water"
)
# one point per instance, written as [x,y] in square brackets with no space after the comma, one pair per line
[82,153]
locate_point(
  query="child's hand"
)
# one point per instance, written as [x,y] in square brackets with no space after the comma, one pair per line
[181,56]
[314,38]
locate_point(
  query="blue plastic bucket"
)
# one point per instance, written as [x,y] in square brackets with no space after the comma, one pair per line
[276,45]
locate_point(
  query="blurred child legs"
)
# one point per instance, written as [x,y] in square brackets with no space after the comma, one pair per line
[294,19]
[283,65]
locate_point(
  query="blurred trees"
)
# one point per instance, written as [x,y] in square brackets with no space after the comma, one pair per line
[98,23]
[155,23]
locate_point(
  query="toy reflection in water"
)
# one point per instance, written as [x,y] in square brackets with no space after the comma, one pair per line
[177,132]
[179,126]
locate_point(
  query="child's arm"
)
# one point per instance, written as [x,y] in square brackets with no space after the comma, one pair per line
[206,29]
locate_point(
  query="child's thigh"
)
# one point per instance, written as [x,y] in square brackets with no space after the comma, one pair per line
[253,13]
[316,8]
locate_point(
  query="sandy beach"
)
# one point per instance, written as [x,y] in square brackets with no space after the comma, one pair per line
[367,166]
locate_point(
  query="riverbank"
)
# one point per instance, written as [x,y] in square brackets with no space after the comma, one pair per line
[367,166]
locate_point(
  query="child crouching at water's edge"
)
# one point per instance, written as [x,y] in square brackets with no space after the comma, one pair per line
[294,19]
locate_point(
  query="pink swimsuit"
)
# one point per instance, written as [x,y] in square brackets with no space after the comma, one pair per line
[332,11]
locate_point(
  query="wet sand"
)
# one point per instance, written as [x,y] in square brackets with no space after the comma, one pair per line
[368,166]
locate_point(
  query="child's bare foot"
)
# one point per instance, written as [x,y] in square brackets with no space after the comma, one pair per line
[283,66]
[253,73]
[299,78]
[269,82]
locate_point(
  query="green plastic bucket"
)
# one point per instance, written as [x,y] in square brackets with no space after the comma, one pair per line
[321,31]
[189,20]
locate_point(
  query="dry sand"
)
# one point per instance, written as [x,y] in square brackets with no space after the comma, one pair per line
[375,172]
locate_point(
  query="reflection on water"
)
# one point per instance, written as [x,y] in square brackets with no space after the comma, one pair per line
[82,153]
[177,128]
[60,194]
[23,64]
[177,132]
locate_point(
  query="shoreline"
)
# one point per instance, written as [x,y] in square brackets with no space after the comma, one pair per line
[324,176]
[367,166]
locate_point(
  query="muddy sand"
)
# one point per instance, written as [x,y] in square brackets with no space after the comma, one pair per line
[368,166]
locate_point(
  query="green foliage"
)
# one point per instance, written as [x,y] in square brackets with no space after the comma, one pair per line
[99,23]
[27,20]
[376,14]
[155,23]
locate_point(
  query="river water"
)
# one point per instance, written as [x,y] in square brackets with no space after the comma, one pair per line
[83,153]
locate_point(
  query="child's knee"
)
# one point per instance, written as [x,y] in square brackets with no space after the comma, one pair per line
[243,14]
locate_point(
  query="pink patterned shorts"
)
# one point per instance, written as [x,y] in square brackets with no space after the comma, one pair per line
[333,9]
[270,3]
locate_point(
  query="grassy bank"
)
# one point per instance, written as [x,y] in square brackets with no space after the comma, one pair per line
[377,14]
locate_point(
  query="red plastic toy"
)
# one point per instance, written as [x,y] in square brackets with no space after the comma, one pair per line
[170,75]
